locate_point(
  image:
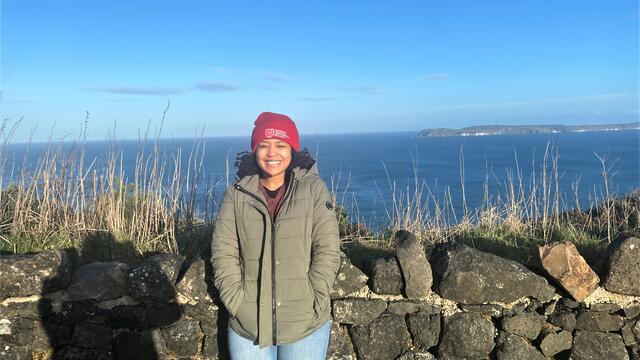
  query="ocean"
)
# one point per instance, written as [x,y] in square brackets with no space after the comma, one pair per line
[367,171]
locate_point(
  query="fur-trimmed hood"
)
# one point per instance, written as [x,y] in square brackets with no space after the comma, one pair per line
[301,163]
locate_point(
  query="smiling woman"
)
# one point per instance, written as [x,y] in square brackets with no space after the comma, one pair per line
[275,249]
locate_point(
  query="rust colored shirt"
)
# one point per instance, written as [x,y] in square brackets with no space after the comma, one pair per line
[273,198]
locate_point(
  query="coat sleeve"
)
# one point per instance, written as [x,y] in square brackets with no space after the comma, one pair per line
[325,247]
[225,256]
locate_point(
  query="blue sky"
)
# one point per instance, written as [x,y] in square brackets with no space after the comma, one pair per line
[333,66]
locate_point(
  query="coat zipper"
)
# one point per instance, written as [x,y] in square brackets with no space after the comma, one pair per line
[274,322]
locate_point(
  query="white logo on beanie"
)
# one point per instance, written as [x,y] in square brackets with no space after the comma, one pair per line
[270,133]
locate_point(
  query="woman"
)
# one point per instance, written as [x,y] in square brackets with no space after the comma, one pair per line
[275,249]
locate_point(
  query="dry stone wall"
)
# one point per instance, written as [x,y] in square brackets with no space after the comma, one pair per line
[476,306]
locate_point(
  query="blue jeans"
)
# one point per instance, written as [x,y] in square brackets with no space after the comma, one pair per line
[312,347]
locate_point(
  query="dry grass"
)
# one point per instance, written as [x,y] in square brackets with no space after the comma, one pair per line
[67,200]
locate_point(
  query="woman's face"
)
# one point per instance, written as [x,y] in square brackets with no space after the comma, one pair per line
[273,157]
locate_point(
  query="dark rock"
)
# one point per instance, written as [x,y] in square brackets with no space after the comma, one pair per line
[161,314]
[624,267]
[75,353]
[99,281]
[90,336]
[589,345]
[527,325]
[492,310]
[565,264]
[511,346]
[86,310]
[9,351]
[357,311]
[568,303]
[467,335]
[34,274]
[340,346]
[349,281]
[416,355]
[470,276]
[127,317]
[155,278]
[404,307]
[40,309]
[632,311]
[554,343]
[202,311]
[424,329]
[34,333]
[183,338]
[605,307]
[563,317]
[628,336]
[383,338]
[386,277]
[143,345]
[636,329]
[634,352]
[210,349]
[193,283]
[415,269]
[209,328]
[599,321]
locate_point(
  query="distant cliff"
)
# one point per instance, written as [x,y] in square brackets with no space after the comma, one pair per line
[481,130]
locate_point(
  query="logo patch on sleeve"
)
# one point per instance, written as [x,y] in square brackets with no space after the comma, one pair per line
[329,205]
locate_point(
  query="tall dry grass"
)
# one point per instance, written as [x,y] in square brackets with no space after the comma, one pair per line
[66,198]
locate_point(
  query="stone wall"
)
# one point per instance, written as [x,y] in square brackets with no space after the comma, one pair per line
[454,302]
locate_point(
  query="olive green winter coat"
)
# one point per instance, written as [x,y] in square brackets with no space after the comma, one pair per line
[275,279]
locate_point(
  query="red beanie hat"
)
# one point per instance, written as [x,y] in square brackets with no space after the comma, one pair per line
[275,126]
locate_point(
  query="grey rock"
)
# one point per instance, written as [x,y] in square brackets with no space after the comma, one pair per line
[636,329]
[634,352]
[470,276]
[467,335]
[563,317]
[554,343]
[349,281]
[624,267]
[202,311]
[183,338]
[527,325]
[340,346]
[143,345]
[77,353]
[9,351]
[90,336]
[383,338]
[416,355]
[424,329]
[155,278]
[416,270]
[599,321]
[34,333]
[209,327]
[628,336]
[193,284]
[34,274]
[357,311]
[589,345]
[511,346]
[605,307]
[632,311]
[99,281]
[404,307]
[492,310]
[386,277]
[210,348]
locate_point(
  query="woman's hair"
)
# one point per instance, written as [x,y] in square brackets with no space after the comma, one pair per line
[247,164]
